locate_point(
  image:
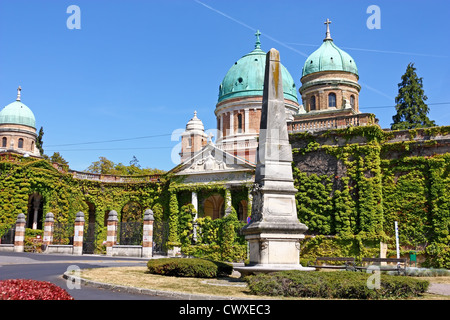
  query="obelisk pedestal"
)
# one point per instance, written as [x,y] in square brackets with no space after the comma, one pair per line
[274,232]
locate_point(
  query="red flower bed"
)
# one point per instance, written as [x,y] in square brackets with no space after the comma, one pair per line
[24,289]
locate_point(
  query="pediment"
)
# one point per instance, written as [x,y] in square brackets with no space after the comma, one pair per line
[211,159]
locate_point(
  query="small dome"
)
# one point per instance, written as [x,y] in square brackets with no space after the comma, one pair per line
[246,77]
[17,113]
[329,58]
[195,124]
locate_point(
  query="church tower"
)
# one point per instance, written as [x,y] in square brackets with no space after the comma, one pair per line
[330,79]
[330,91]
[193,139]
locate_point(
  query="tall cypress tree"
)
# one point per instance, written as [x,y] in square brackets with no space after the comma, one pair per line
[40,141]
[410,103]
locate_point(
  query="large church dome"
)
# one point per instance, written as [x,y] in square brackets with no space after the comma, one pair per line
[246,77]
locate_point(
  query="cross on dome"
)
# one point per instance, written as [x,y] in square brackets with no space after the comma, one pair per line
[258,42]
[18,93]
[327,34]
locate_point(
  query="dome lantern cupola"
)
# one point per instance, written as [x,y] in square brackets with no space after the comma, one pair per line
[329,57]
[18,128]
[18,113]
[330,78]
[238,109]
[246,77]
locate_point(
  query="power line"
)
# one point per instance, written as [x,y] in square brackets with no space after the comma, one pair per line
[428,104]
[110,149]
[107,141]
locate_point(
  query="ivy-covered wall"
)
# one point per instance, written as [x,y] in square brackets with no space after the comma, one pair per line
[354,183]
[63,195]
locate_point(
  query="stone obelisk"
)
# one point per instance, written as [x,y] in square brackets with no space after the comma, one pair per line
[274,231]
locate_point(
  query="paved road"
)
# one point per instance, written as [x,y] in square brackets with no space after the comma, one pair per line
[50,267]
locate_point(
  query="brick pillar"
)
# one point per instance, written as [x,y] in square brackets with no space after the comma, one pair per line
[111,237]
[78,234]
[48,229]
[147,239]
[19,238]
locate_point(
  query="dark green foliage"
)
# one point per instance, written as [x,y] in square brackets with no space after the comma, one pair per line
[181,267]
[334,285]
[410,103]
[40,141]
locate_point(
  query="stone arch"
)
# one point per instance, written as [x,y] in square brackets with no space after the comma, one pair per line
[90,235]
[132,211]
[242,210]
[332,100]
[130,226]
[35,211]
[91,212]
[214,206]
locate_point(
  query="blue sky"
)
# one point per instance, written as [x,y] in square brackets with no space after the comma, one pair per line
[136,70]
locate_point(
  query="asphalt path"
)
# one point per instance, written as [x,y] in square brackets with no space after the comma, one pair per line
[51,267]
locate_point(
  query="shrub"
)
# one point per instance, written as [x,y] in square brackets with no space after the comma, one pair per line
[24,289]
[333,285]
[193,267]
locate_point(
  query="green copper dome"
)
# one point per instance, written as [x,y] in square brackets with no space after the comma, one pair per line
[329,58]
[246,77]
[17,113]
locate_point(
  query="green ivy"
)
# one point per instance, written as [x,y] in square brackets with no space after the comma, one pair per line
[382,183]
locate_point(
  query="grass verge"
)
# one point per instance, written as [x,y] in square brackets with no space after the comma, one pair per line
[139,277]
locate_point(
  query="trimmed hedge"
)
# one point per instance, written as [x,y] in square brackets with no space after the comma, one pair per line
[334,285]
[25,289]
[189,267]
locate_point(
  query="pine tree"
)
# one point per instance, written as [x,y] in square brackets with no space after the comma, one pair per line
[410,103]
[40,142]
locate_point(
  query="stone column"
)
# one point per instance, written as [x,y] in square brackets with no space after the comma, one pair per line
[194,201]
[111,237]
[246,121]
[221,131]
[19,238]
[78,234]
[231,123]
[147,237]
[228,202]
[36,203]
[274,231]
[48,229]
[249,203]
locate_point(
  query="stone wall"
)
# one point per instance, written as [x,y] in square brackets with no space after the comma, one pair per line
[354,183]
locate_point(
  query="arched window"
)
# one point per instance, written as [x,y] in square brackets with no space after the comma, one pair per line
[332,100]
[4,140]
[312,103]
[239,119]
[20,143]
[352,101]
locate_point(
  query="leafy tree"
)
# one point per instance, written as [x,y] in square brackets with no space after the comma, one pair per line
[102,166]
[56,157]
[410,103]
[105,166]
